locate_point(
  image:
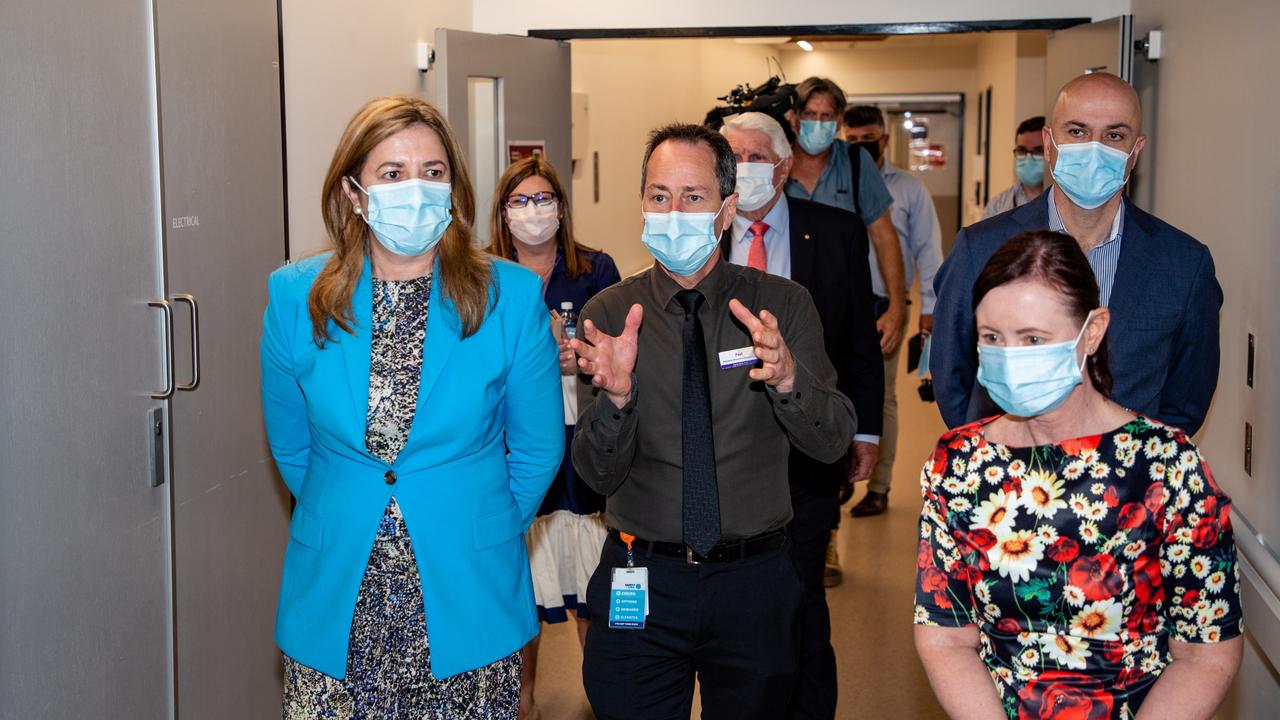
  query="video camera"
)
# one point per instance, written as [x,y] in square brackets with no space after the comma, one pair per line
[773,98]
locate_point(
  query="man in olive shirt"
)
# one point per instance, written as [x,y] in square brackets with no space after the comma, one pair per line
[706,375]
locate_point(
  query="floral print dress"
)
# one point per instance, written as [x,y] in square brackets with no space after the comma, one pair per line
[1077,562]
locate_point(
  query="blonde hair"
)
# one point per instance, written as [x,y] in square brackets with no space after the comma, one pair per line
[500,243]
[465,271]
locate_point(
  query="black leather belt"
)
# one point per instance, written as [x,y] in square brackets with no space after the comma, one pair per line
[726,551]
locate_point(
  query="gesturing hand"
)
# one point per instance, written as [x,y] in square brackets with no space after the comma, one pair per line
[777,369]
[610,360]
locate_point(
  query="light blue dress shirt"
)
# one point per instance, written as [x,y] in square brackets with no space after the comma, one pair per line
[777,240]
[1105,256]
[835,185]
[777,248]
[916,222]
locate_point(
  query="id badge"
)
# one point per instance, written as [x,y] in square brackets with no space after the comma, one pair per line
[629,598]
[730,359]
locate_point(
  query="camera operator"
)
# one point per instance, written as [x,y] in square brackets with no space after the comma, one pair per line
[824,172]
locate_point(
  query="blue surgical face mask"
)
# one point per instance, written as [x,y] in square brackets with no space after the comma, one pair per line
[1090,173]
[408,217]
[1031,380]
[681,241]
[1030,169]
[816,135]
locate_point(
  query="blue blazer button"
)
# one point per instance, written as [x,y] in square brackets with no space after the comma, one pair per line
[390,477]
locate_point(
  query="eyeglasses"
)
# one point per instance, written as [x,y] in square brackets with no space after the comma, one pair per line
[540,199]
[1023,152]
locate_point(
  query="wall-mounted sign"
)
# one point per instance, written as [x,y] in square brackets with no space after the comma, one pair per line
[925,155]
[521,149]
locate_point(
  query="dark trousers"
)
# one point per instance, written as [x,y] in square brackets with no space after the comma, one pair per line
[732,625]
[815,491]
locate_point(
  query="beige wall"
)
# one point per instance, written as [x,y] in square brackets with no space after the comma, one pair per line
[631,88]
[1029,100]
[997,69]
[1012,64]
[926,64]
[336,56]
[1208,86]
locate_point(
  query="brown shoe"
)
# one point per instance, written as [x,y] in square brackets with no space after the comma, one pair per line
[873,503]
[832,573]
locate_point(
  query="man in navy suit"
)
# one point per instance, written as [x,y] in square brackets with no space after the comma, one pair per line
[824,249]
[1158,281]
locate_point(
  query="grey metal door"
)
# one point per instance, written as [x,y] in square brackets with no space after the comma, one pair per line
[501,92]
[224,229]
[84,566]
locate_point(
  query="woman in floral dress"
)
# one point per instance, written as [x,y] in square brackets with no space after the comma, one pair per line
[1076,560]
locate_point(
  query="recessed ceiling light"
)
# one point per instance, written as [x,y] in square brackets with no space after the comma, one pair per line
[805,45]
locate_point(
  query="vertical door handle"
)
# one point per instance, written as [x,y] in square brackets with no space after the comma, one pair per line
[167,392]
[190,300]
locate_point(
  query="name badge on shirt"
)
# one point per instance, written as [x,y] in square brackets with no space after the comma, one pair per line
[629,598]
[737,358]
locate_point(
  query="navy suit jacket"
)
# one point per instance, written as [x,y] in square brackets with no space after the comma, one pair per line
[1163,338]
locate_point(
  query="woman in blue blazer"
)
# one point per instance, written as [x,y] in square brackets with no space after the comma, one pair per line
[413,406]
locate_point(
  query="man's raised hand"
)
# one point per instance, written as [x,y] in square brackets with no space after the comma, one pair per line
[610,360]
[777,368]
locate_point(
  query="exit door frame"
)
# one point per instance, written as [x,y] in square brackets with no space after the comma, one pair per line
[905,28]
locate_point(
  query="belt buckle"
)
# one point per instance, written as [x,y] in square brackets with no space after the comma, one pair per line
[688,556]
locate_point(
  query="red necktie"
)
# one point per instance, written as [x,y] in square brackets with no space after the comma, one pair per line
[757,257]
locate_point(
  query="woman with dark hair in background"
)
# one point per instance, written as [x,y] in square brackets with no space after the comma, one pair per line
[411,403]
[1076,560]
[530,223]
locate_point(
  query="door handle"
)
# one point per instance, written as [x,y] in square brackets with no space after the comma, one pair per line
[167,309]
[190,300]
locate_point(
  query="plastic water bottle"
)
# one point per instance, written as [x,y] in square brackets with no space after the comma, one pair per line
[570,318]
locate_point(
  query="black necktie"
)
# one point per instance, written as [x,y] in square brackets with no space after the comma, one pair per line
[701,497]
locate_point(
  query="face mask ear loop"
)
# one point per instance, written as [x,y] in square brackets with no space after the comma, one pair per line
[1080,335]
[1129,170]
[723,202]
[359,213]
[784,180]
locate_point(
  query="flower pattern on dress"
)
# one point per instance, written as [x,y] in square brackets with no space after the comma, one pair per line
[1077,562]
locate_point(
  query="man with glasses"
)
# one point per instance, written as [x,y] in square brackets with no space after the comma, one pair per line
[1158,282]
[1028,158]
